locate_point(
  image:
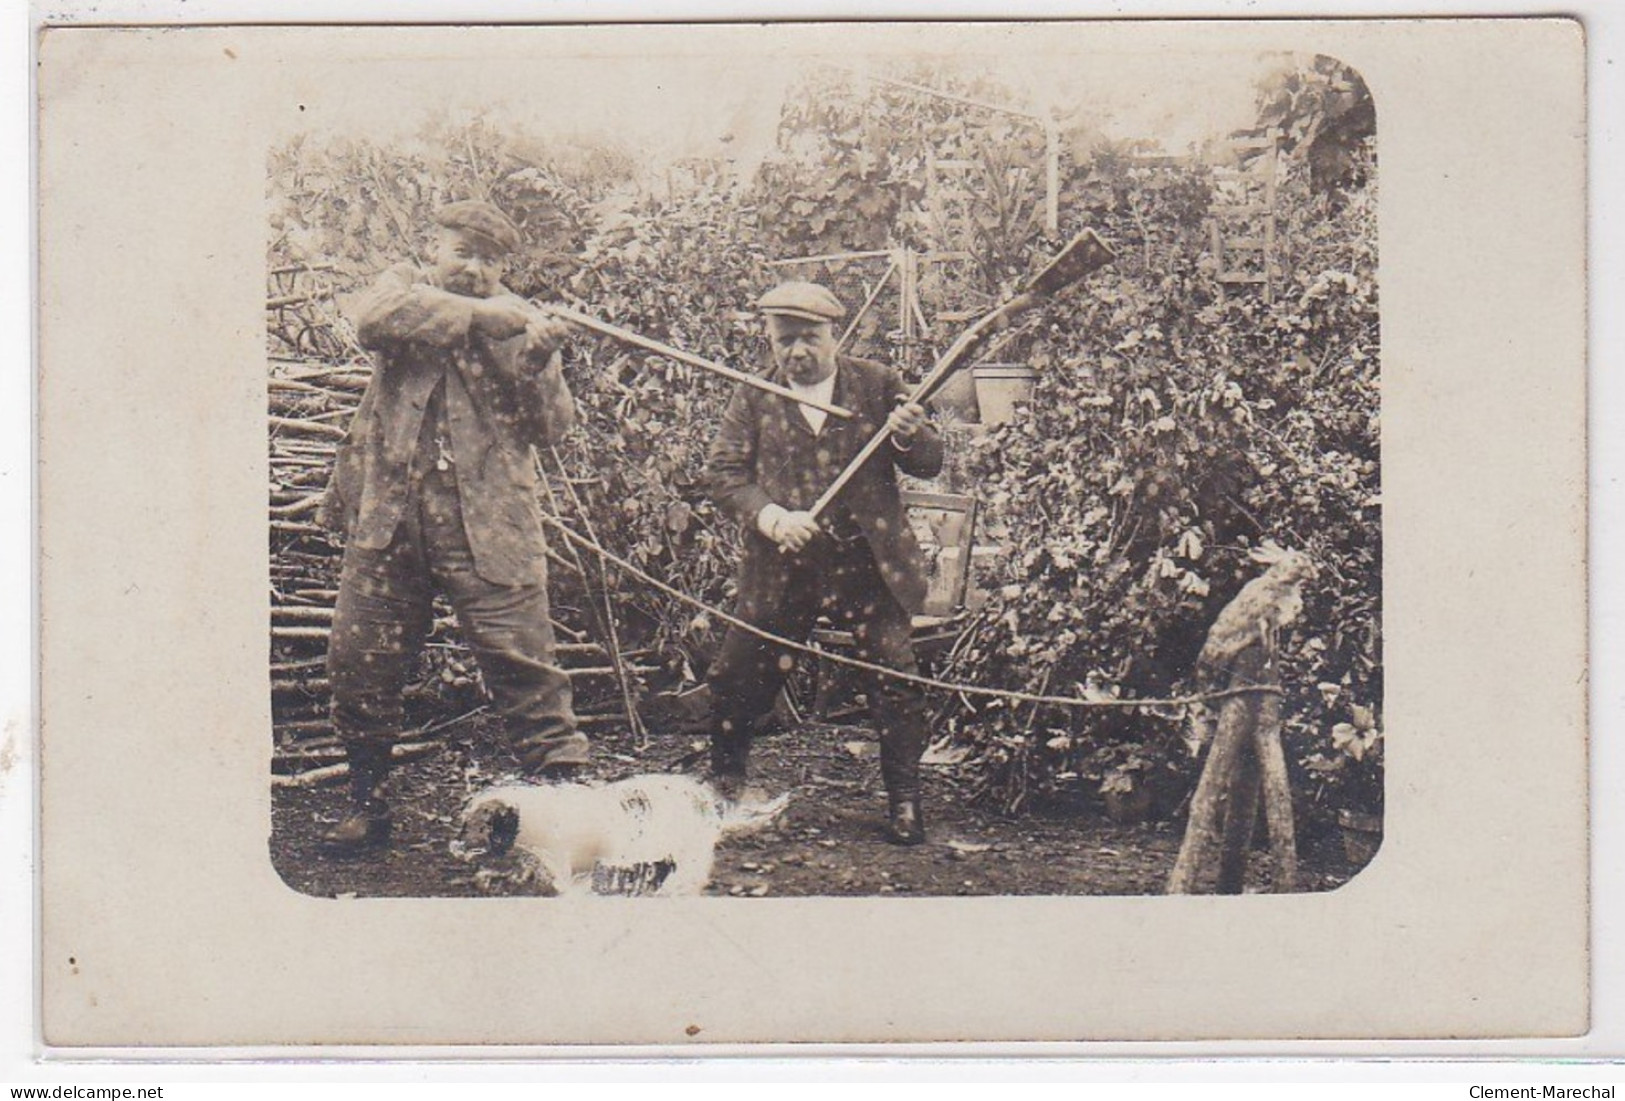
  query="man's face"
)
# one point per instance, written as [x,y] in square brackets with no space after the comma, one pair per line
[804,349]
[466,263]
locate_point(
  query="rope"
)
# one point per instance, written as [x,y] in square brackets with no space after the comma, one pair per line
[881,670]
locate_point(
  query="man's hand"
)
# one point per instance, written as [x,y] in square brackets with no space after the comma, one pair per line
[502,317]
[904,421]
[790,530]
[544,335]
[795,530]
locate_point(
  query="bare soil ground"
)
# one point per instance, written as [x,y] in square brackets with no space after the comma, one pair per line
[829,842]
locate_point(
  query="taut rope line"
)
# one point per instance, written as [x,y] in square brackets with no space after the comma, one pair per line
[881,670]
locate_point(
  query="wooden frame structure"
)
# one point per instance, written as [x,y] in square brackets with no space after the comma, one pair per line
[1239,230]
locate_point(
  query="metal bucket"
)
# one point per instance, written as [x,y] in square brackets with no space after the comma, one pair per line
[1000,387]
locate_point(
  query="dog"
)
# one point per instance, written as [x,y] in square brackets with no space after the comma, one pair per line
[646,835]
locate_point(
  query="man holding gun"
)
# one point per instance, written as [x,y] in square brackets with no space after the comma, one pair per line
[434,490]
[857,562]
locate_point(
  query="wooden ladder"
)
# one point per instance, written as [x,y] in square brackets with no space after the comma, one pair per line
[1244,230]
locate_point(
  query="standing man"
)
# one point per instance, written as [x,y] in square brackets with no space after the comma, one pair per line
[434,489]
[857,563]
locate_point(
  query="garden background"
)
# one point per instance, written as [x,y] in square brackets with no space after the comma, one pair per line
[1177,421]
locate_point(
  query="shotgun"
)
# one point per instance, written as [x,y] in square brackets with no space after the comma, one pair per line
[1083,254]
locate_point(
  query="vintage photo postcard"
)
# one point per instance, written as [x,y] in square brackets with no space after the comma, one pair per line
[491,566]
[790,532]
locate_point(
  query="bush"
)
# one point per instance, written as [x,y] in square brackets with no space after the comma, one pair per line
[1170,432]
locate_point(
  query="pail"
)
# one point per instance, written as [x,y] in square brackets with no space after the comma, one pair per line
[1362,835]
[999,387]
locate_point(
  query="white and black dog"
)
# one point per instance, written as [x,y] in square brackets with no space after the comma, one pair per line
[647,835]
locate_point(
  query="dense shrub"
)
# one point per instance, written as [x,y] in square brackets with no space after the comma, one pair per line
[1170,432]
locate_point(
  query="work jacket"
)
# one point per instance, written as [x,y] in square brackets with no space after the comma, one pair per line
[499,402]
[766,453]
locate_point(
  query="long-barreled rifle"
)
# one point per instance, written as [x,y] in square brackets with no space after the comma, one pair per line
[1083,254]
[648,344]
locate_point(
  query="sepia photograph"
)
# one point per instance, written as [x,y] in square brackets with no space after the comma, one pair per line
[666,537]
[918,474]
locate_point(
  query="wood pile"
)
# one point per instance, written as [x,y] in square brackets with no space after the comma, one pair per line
[316,377]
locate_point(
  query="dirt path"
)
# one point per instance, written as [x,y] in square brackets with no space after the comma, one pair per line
[828,842]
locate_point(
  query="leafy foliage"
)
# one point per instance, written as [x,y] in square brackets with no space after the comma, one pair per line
[1171,430]
[1325,114]
[867,165]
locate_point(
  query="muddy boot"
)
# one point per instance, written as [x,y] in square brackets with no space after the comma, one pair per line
[730,760]
[367,825]
[554,757]
[901,747]
[898,712]
[905,823]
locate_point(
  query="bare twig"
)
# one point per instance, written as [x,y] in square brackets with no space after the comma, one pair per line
[332,774]
[632,717]
[306,428]
[298,508]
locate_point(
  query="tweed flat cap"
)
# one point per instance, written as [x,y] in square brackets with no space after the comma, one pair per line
[804,300]
[482,218]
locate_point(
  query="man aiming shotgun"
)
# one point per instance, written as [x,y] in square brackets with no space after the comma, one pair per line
[434,490]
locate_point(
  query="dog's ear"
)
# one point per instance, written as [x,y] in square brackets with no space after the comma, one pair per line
[490,828]
[503,827]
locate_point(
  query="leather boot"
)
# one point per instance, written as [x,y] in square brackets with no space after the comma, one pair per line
[730,760]
[556,758]
[905,824]
[367,826]
[899,716]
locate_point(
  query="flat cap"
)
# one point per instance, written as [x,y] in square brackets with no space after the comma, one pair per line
[482,218]
[804,300]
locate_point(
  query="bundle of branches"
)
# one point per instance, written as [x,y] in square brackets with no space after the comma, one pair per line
[309,402]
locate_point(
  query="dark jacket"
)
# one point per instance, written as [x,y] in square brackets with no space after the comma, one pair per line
[498,402]
[766,453]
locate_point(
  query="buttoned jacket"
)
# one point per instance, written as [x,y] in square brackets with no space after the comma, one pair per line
[499,403]
[766,453]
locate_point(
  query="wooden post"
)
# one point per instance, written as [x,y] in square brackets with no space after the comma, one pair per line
[1246,760]
[1217,788]
[1277,788]
[1240,819]
[1052,176]
[905,313]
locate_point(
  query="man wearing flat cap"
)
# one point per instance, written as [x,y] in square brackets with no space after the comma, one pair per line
[434,490]
[857,563]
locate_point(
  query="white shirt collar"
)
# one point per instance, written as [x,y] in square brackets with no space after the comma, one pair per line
[822,391]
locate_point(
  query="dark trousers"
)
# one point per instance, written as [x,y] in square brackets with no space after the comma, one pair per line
[841,581]
[385,611]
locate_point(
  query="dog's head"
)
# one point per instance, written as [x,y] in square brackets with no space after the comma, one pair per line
[489,829]
[490,839]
